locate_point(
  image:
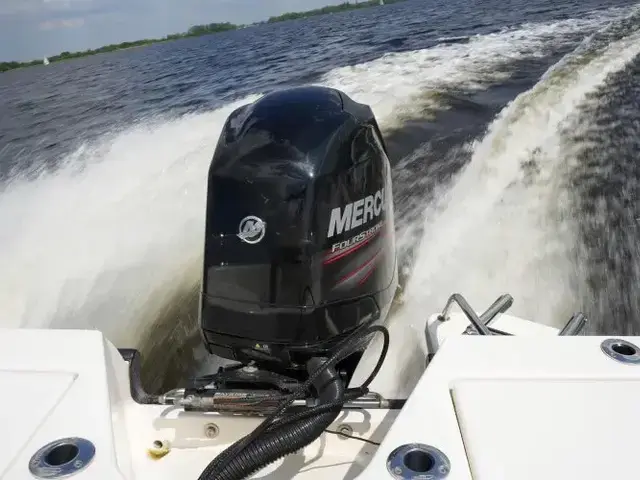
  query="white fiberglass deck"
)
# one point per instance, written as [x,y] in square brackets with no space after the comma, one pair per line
[500,408]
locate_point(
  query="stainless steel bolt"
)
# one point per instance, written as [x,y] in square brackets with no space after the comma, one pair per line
[344,430]
[211,430]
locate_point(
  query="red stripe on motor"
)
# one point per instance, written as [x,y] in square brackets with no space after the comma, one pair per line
[369,273]
[359,269]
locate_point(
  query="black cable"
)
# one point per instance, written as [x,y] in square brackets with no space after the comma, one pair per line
[275,421]
[350,394]
[381,359]
[340,349]
[243,459]
[353,437]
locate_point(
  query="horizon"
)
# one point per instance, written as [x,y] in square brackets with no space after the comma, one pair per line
[32,29]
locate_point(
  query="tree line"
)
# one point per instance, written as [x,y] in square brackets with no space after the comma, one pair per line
[195,31]
[329,9]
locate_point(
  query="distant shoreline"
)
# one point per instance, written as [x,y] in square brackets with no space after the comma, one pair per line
[198,31]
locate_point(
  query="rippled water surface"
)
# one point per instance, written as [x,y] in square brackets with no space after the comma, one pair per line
[512,128]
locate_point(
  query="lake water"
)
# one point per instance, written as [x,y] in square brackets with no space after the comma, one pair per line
[513,128]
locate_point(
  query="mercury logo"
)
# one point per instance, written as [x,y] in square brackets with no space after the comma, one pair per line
[356,214]
[251,229]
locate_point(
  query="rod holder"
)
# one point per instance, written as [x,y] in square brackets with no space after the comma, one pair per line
[574,326]
[478,324]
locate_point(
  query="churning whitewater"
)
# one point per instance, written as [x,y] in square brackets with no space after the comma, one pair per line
[500,144]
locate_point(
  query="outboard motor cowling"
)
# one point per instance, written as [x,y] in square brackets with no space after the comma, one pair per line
[300,239]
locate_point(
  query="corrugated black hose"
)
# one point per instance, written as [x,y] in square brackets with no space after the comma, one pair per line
[279,435]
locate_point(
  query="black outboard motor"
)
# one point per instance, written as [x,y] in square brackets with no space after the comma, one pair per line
[300,240]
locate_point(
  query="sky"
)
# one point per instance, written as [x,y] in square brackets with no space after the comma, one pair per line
[32,29]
